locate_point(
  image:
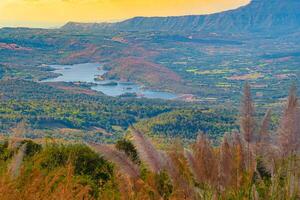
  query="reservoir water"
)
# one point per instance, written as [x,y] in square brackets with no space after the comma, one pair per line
[88,71]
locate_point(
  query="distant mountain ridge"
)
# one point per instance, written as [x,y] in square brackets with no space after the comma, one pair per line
[258,16]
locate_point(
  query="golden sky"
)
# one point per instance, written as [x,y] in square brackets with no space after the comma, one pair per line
[50,13]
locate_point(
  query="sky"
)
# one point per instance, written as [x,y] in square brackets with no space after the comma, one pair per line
[54,13]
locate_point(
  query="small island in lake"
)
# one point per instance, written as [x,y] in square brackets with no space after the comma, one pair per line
[99,78]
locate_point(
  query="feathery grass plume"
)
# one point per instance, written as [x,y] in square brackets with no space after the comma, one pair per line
[266,151]
[16,162]
[203,162]
[247,113]
[289,140]
[247,122]
[263,141]
[168,162]
[119,158]
[169,165]
[240,163]
[289,129]
[264,135]
[147,151]
[16,133]
[125,187]
[177,168]
[19,130]
[226,171]
[181,176]
[191,161]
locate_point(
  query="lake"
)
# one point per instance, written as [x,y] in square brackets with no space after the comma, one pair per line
[88,71]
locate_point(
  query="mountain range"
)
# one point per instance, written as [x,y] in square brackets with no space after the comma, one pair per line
[274,16]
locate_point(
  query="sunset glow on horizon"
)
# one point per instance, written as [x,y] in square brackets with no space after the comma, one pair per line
[52,13]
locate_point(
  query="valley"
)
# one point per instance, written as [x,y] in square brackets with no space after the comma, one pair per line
[206,67]
[160,72]
[191,107]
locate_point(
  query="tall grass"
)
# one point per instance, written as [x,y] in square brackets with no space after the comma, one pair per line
[60,185]
[255,163]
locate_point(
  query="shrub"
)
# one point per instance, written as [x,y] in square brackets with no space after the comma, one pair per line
[5,152]
[86,162]
[32,148]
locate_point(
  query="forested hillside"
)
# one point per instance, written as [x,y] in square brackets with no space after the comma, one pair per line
[187,124]
[69,112]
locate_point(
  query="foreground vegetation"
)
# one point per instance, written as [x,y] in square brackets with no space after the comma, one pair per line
[252,163]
